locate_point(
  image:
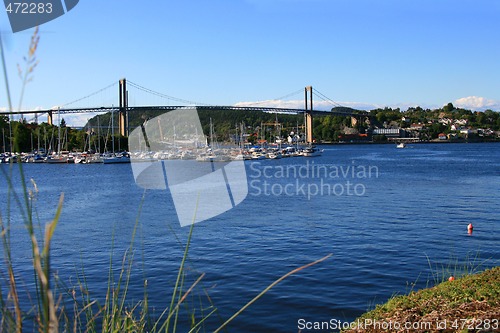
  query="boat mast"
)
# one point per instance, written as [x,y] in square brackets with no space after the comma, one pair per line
[3,140]
[98,135]
[242,128]
[38,141]
[59,132]
[112,132]
[211,134]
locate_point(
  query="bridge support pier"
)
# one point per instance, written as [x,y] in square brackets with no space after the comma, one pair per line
[354,121]
[122,114]
[50,118]
[308,119]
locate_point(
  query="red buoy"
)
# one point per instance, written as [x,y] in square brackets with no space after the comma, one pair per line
[470,228]
[451,278]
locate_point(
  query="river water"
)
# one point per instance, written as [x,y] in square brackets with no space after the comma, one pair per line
[392,219]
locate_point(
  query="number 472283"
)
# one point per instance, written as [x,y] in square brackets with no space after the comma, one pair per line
[29,8]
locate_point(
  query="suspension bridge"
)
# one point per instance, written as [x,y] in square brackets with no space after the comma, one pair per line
[124,109]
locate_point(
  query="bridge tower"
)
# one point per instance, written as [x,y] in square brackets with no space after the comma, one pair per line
[123,108]
[50,118]
[308,120]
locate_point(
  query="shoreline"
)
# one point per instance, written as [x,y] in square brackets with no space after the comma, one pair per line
[468,302]
[410,143]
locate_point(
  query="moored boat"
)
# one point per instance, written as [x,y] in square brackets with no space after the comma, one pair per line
[401,145]
[118,158]
[56,159]
[311,152]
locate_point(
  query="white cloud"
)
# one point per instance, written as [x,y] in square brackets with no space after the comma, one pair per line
[473,103]
[476,103]
[327,106]
[76,119]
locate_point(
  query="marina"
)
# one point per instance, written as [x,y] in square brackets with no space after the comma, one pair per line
[204,154]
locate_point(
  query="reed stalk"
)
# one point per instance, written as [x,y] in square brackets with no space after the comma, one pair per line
[85,313]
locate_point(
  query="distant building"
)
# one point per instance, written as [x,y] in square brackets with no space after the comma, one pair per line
[416,127]
[442,136]
[466,131]
[445,121]
[390,132]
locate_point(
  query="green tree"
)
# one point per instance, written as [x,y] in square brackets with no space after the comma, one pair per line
[448,107]
[435,129]
[326,134]
[22,137]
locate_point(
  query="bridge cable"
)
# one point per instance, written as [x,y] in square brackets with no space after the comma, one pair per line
[279,98]
[152,92]
[90,95]
[317,93]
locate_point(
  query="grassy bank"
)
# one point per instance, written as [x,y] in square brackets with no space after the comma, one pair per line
[467,304]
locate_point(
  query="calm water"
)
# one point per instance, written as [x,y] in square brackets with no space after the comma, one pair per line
[400,209]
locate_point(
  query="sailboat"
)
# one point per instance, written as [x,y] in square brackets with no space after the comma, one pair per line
[311,151]
[401,145]
[57,157]
[213,154]
[123,157]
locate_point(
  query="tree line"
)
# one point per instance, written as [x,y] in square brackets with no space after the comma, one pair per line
[97,134]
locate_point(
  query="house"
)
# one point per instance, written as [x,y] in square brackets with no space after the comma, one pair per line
[416,127]
[445,121]
[466,131]
[442,136]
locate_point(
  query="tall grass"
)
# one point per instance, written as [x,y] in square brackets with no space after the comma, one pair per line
[58,307]
[12,315]
[471,264]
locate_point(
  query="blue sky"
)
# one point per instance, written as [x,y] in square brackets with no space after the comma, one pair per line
[359,53]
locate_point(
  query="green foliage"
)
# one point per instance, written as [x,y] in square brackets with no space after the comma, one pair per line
[97,133]
[344,109]
[4,122]
[471,297]
[448,108]
[22,140]
[435,129]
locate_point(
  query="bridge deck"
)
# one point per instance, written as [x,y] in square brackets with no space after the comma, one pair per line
[202,107]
